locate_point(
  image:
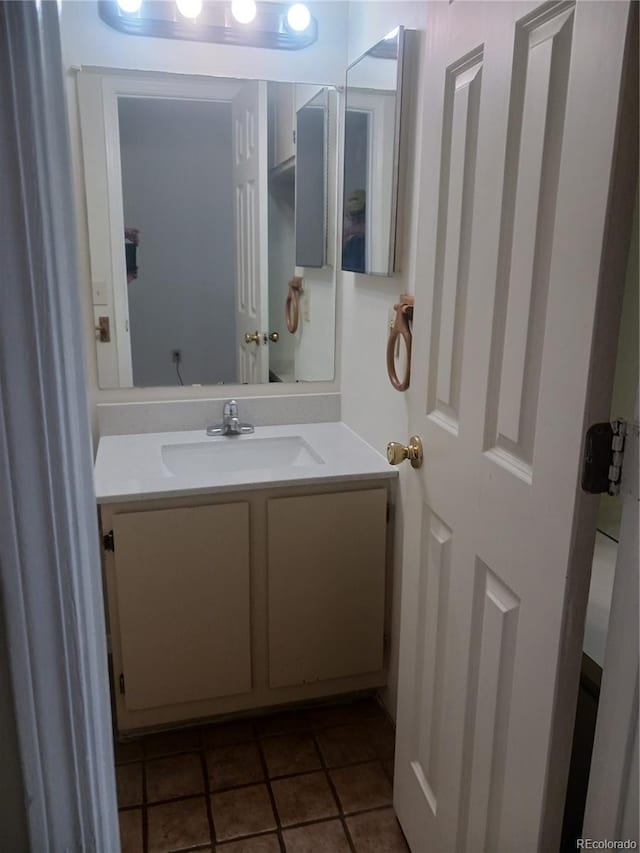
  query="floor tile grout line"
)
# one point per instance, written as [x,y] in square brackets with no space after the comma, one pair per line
[305,725]
[145,817]
[306,735]
[130,761]
[223,789]
[334,791]
[256,738]
[272,798]
[380,712]
[297,825]
[207,791]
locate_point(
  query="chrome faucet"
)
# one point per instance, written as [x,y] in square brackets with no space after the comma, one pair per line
[230,422]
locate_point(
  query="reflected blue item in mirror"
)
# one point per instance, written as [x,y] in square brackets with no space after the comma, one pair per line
[353,253]
[373,112]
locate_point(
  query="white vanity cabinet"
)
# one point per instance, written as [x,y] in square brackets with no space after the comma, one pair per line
[326,579]
[181,579]
[230,601]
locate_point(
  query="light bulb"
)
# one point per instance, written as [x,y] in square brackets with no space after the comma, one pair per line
[298,17]
[130,6]
[244,11]
[189,8]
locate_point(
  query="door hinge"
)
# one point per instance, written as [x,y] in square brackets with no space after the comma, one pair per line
[603,456]
[389,512]
[107,541]
[294,137]
[121,682]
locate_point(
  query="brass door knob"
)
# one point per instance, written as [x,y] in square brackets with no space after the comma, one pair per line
[252,338]
[397,453]
[272,336]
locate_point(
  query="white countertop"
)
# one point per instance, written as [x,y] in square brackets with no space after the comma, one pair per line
[130,467]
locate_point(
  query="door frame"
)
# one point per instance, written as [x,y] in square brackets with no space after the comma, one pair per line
[51,600]
[622,200]
[613,778]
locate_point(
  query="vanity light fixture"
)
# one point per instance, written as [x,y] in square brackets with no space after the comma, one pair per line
[273,25]
[244,11]
[298,17]
[189,8]
[130,7]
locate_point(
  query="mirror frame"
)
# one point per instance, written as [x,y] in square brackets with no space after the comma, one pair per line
[392,258]
[98,90]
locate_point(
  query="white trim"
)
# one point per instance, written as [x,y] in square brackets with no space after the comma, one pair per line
[611,810]
[119,283]
[51,599]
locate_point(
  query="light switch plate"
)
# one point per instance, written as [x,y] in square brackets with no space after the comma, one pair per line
[99,293]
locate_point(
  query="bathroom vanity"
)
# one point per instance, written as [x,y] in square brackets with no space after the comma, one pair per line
[242,572]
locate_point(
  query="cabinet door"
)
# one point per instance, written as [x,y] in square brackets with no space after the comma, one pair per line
[326,585]
[183,603]
[283,117]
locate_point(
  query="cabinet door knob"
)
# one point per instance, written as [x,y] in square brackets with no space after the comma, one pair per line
[272,336]
[397,453]
[252,338]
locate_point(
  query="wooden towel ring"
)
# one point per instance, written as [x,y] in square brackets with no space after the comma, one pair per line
[292,307]
[400,328]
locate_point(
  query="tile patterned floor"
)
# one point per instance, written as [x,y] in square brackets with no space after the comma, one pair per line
[314,781]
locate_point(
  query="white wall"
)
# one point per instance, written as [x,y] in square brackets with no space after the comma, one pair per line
[369,403]
[177,189]
[316,354]
[314,340]
[87,40]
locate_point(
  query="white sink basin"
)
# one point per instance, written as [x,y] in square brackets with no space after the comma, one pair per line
[238,453]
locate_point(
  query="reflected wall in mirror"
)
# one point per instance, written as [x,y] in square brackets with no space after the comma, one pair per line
[371,155]
[311,181]
[193,188]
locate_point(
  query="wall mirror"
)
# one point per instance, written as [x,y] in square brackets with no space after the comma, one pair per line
[371,157]
[311,181]
[205,197]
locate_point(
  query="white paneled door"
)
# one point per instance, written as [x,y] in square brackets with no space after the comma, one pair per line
[521,104]
[249,116]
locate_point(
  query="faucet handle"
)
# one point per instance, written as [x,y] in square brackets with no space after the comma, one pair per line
[230,409]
